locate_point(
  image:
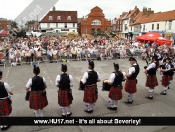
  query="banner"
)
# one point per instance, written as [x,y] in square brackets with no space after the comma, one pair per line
[96,121]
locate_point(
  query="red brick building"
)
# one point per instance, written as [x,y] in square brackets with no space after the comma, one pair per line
[94,22]
[4,23]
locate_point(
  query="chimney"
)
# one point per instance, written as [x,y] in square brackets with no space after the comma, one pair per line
[54,9]
[144,11]
[150,12]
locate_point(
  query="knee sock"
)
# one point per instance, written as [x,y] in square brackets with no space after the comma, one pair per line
[36,113]
[63,110]
[41,112]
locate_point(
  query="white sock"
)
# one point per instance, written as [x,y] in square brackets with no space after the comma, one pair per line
[88,106]
[115,103]
[41,112]
[63,110]
[68,110]
[111,102]
[130,97]
[36,113]
[92,106]
[165,89]
[151,92]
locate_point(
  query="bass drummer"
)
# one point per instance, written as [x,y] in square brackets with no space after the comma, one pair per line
[115,93]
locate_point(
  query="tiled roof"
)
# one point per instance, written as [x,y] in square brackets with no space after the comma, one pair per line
[164,16]
[136,18]
[62,14]
[145,19]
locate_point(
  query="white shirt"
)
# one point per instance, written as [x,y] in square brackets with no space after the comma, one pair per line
[85,77]
[58,80]
[29,83]
[132,69]
[7,88]
[112,77]
[152,65]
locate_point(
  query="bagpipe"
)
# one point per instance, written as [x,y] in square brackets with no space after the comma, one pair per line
[81,85]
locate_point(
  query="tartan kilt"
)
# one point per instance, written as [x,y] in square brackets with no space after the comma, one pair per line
[90,94]
[65,97]
[37,100]
[165,80]
[115,93]
[5,108]
[130,86]
[170,78]
[151,81]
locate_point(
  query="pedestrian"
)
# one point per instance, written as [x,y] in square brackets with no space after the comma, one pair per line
[115,93]
[64,82]
[5,103]
[38,98]
[130,85]
[90,79]
[150,72]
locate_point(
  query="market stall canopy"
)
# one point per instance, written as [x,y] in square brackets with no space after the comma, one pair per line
[3,33]
[163,41]
[150,36]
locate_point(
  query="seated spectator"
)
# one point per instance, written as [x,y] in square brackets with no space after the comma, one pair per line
[27,55]
[18,57]
[39,55]
[11,57]
[54,53]
[49,54]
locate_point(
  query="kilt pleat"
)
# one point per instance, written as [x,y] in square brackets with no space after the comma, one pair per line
[37,100]
[165,80]
[115,93]
[5,108]
[130,86]
[65,97]
[90,94]
[151,81]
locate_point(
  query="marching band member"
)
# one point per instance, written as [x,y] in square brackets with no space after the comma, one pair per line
[151,81]
[90,79]
[130,86]
[5,103]
[165,79]
[65,82]
[171,72]
[38,98]
[115,93]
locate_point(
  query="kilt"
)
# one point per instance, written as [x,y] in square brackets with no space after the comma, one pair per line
[37,100]
[130,86]
[151,81]
[115,93]
[170,78]
[5,108]
[65,97]
[90,94]
[165,80]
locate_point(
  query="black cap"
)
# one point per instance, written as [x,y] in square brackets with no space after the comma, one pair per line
[0,73]
[165,53]
[36,70]
[116,65]
[132,59]
[155,57]
[91,64]
[168,58]
[64,67]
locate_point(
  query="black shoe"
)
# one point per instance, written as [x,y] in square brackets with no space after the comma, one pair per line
[63,115]
[88,111]
[168,87]
[129,102]
[6,128]
[2,129]
[149,97]
[112,108]
[68,115]
[162,93]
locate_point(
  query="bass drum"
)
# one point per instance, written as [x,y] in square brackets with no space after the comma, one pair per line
[81,86]
[106,86]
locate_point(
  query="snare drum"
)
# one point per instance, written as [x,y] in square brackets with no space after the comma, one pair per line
[81,86]
[106,86]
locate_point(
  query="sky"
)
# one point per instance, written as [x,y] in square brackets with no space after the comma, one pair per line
[10,9]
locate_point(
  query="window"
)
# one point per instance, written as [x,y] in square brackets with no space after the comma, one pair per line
[152,26]
[69,18]
[73,30]
[157,26]
[65,25]
[64,29]
[73,24]
[85,30]
[126,27]
[56,24]
[143,27]
[96,22]
[170,25]
[48,25]
[50,18]
[58,17]
[131,29]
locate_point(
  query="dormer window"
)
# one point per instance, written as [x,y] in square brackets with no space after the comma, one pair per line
[58,17]
[69,18]
[50,17]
